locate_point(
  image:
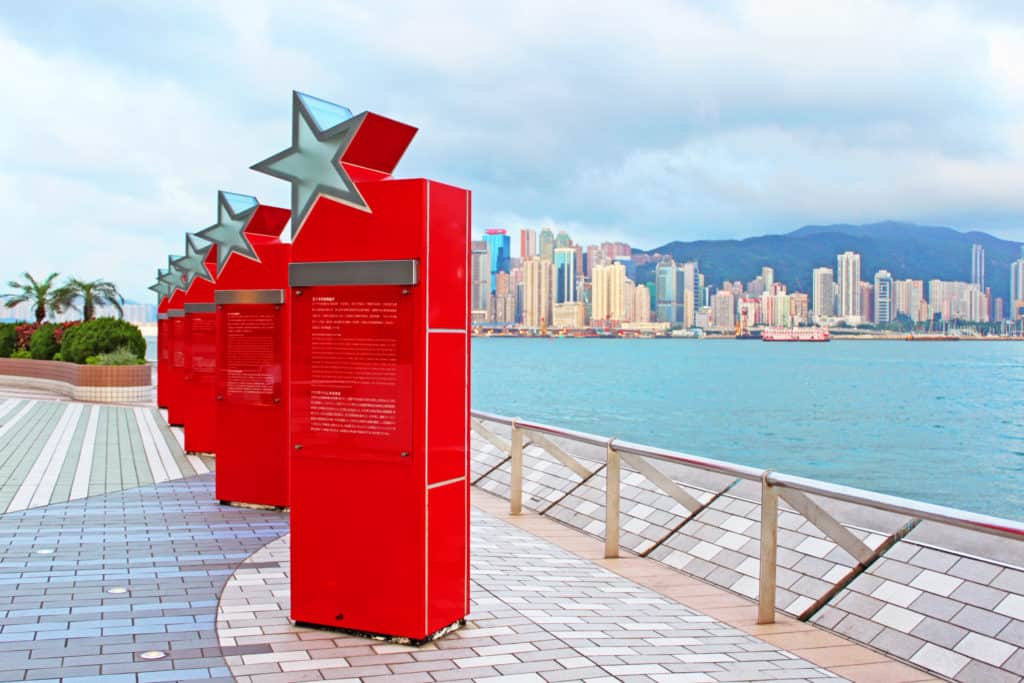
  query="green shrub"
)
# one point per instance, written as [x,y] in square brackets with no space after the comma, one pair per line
[58,356]
[44,344]
[101,336]
[122,356]
[21,353]
[8,339]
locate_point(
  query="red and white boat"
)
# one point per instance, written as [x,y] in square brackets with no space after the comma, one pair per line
[796,334]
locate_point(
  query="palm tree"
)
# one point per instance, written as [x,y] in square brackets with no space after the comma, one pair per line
[93,293]
[42,294]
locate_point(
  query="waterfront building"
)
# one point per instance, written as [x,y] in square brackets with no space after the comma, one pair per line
[823,292]
[702,318]
[565,275]
[907,297]
[546,245]
[883,303]
[978,266]
[867,302]
[538,292]
[628,294]
[500,246]
[755,288]
[480,291]
[563,240]
[848,284]
[503,302]
[723,310]
[693,282]
[798,308]
[568,316]
[1017,288]
[527,244]
[768,277]
[668,300]
[749,312]
[641,304]
[608,285]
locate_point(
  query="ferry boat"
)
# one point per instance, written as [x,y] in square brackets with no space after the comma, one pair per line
[795,334]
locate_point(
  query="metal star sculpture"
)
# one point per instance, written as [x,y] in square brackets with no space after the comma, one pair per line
[321,133]
[233,214]
[171,277]
[193,263]
[161,288]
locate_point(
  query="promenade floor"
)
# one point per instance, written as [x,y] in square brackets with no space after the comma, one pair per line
[88,585]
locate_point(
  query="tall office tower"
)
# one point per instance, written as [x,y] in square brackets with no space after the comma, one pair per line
[480,296]
[867,302]
[628,294]
[997,310]
[546,242]
[503,302]
[883,304]
[723,310]
[978,266]
[755,288]
[538,292]
[823,297]
[694,283]
[798,308]
[642,304]
[594,257]
[563,240]
[668,291]
[527,244]
[1017,288]
[565,275]
[768,276]
[500,246]
[849,283]
[608,285]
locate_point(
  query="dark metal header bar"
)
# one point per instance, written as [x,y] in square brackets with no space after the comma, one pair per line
[404,272]
[200,308]
[249,296]
[176,313]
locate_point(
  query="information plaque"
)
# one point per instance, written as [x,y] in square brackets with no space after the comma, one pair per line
[200,365]
[250,349]
[175,373]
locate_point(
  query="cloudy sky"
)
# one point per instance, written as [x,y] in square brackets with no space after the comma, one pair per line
[644,122]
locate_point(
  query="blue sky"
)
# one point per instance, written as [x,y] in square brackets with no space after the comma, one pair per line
[644,123]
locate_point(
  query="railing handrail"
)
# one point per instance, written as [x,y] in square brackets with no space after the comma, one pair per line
[904,506]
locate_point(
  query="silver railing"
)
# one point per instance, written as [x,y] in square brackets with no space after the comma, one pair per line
[774,486]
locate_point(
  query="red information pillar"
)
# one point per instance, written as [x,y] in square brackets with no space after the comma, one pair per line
[163,352]
[200,363]
[380,408]
[252,373]
[174,370]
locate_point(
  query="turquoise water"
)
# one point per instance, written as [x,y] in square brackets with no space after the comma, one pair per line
[939,422]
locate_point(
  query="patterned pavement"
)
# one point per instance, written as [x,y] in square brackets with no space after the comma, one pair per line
[53,451]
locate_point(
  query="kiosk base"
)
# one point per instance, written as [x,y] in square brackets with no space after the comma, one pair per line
[397,640]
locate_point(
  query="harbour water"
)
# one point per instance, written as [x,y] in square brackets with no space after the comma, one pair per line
[939,422]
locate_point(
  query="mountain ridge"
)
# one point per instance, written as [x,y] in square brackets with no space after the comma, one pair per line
[907,250]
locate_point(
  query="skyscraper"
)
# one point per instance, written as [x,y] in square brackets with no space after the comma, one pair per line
[565,275]
[642,304]
[768,276]
[547,244]
[849,283]
[527,244]
[500,247]
[867,302]
[538,290]
[823,295]
[1017,286]
[723,310]
[608,284]
[480,293]
[691,282]
[563,240]
[884,309]
[907,297]
[668,300]
[978,266]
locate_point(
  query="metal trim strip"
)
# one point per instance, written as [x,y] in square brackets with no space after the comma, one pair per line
[201,308]
[176,313]
[399,272]
[249,296]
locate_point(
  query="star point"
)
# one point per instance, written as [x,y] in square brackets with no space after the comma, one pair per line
[193,263]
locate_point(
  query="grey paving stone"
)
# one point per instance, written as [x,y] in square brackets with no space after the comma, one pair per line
[979,672]
[939,632]
[978,595]
[980,621]
[974,570]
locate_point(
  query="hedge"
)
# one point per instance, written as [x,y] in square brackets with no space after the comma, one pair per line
[99,336]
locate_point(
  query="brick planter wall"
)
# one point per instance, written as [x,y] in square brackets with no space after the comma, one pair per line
[101,383]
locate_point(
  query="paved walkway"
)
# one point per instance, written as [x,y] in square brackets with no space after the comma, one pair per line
[53,451]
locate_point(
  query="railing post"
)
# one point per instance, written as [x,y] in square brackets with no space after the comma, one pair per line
[769,547]
[515,494]
[611,503]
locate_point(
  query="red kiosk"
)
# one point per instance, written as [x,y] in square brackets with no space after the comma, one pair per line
[163,291]
[380,380]
[251,383]
[173,359]
[199,347]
